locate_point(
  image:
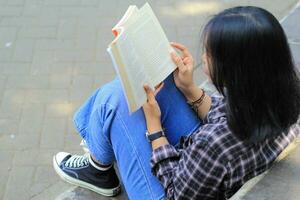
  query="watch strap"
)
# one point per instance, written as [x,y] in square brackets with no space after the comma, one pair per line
[153,136]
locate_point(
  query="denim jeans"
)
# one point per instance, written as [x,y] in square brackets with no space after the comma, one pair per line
[111,134]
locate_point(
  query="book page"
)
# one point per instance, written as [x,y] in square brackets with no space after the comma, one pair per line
[121,71]
[153,46]
[144,53]
[135,69]
[130,15]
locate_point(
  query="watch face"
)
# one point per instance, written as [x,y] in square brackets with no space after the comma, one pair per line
[147,133]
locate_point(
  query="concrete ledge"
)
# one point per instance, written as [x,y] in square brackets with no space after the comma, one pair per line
[260,186]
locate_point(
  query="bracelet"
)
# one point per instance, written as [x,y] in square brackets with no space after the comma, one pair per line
[195,104]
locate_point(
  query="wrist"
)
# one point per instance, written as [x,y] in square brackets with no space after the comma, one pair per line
[159,142]
[154,129]
[154,126]
[193,93]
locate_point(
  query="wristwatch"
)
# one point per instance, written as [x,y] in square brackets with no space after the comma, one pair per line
[153,136]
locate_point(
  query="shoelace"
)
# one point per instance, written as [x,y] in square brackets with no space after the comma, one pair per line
[77,161]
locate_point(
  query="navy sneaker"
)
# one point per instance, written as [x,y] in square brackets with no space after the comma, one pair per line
[81,170]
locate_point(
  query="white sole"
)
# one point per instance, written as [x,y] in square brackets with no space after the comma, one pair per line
[74,181]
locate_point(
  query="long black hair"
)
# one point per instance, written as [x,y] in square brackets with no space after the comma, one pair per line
[252,66]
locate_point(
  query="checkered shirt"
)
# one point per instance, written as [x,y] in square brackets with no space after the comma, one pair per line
[212,163]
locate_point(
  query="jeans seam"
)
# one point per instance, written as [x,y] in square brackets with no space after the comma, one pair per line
[136,154]
[106,138]
[102,124]
[79,130]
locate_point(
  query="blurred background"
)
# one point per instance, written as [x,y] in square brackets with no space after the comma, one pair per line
[53,55]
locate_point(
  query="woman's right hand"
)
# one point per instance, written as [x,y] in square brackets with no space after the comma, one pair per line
[183,75]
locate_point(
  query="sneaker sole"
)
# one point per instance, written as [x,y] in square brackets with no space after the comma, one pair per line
[105,192]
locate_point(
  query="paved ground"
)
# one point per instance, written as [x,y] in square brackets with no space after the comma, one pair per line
[52,56]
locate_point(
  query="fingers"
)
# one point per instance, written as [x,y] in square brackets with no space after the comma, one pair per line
[178,45]
[182,48]
[185,60]
[177,60]
[158,85]
[158,88]
[150,94]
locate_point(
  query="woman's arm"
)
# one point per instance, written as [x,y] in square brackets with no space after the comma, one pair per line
[194,173]
[193,94]
[183,78]
[152,115]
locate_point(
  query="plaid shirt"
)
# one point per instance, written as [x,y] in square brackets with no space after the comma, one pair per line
[212,163]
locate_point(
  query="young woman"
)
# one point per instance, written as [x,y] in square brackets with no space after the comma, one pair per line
[196,146]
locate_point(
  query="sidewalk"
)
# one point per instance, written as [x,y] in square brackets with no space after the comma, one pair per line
[53,55]
[292,28]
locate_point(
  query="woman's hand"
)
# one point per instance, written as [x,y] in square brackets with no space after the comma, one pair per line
[151,109]
[183,75]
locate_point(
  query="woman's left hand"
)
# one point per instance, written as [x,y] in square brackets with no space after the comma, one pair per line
[151,108]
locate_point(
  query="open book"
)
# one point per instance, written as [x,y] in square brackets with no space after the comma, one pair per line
[140,53]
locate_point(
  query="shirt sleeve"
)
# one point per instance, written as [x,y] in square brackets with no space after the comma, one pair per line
[191,173]
[217,110]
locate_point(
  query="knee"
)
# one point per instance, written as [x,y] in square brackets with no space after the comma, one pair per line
[110,93]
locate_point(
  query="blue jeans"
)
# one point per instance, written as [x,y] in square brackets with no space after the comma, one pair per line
[111,134]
